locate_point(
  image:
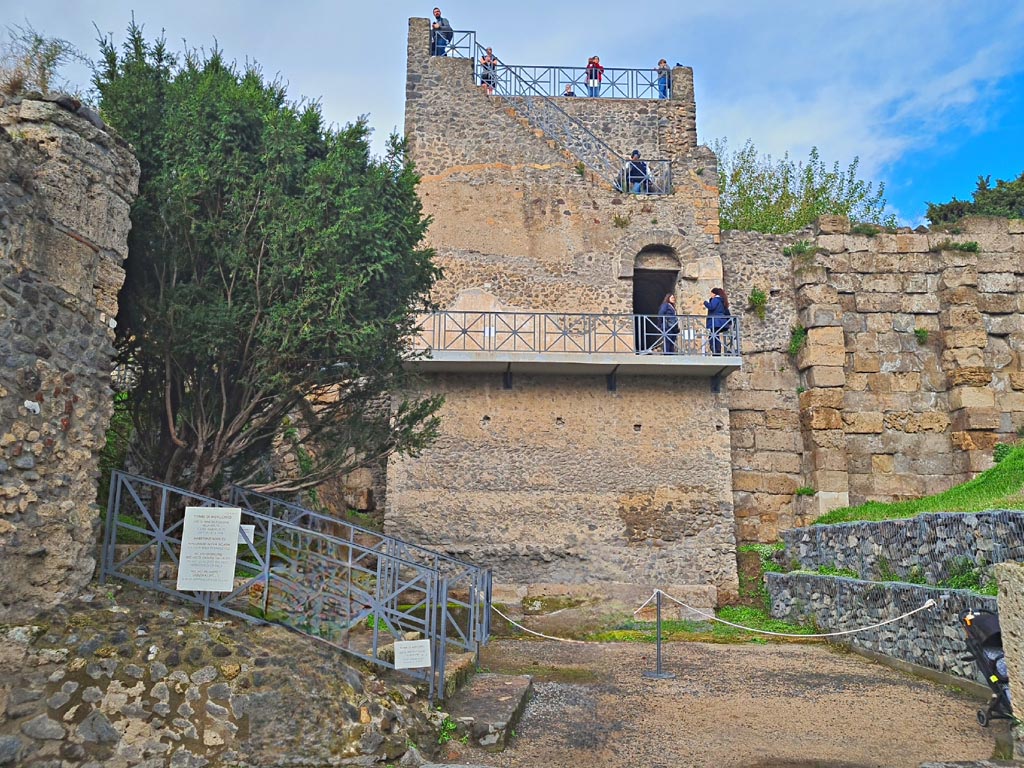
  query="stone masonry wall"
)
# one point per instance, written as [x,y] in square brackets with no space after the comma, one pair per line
[65,191]
[559,480]
[1011,622]
[913,367]
[925,546]
[931,638]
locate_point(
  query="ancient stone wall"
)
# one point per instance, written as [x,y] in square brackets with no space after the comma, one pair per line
[65,191]
[930,638]
[558,480]
[912,370]
[1011,622]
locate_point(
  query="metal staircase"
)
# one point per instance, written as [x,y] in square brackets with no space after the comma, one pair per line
[528,99]
[350,587]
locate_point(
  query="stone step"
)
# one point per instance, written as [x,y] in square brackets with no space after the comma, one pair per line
[488,708]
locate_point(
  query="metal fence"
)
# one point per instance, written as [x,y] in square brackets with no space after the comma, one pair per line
[522,80]
[354,597]
[561,333]
[468,585]
[528,90]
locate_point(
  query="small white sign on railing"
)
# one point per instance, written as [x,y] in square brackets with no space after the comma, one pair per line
[209,545]
[412,654]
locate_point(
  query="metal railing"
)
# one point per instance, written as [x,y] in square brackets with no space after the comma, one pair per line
[530,98]
[616,83]
[469,586]
[561,333]
[338,590]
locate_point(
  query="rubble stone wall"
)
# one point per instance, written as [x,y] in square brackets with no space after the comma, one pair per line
[65,191]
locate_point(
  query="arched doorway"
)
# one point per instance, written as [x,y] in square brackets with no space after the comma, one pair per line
[655,272]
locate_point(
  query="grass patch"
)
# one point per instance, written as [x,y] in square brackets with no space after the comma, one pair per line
[705,631]
[948,245]
[797,339]
[1001,487]
[758,301]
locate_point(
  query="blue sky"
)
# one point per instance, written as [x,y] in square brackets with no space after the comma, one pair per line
[927,94]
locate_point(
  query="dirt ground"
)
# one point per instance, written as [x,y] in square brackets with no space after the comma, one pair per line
[755,706]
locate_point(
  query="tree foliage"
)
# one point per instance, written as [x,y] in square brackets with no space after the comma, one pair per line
[272,278]
[762,194]
[1005,199]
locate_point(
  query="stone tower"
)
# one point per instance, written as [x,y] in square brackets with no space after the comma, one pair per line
[564,459]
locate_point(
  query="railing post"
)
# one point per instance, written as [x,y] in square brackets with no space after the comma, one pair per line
[658,673]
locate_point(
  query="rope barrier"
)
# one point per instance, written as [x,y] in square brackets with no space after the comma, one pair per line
[925,606]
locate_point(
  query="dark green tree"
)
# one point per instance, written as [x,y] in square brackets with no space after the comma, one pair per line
[273,277]
[762,194]
[1005,199]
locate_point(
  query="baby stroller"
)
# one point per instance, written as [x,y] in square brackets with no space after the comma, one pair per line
[985,642]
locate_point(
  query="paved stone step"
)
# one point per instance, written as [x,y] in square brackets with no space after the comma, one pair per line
[489,707]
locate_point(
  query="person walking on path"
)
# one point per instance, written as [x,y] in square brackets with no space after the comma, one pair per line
[595,72]
[488,71]
[440,34]
[664,79]
[718,318]
[669,324]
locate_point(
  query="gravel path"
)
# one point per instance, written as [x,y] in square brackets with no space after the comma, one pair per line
[784,706]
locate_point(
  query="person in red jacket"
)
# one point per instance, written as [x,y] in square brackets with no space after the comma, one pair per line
[594,74]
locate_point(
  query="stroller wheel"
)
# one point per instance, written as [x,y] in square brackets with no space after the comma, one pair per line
[983,718]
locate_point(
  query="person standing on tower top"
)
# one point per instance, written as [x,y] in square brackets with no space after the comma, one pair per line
[594,74]
[440,34]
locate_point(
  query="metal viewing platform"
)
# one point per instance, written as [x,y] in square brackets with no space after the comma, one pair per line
[584,344]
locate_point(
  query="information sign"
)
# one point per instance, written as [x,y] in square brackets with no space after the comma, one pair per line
[209,544]
[412,654]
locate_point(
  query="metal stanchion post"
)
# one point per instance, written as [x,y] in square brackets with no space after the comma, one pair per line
[658,673]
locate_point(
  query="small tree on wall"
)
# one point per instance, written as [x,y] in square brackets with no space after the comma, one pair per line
[272,278]
[762,194]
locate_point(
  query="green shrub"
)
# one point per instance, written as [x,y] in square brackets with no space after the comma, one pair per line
[921,334]
[799,248]
[1001,451]
[797,339]
[758,301]
[870,230]
[831,570]
[805,490]
[948,245]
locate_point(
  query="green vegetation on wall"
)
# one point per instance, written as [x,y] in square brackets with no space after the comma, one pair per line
[764,194]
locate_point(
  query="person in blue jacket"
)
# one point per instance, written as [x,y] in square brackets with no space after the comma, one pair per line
[718,318]
[669,325]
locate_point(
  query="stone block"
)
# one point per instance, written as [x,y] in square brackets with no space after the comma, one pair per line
[819,316]
[829,459]
[809,274]
[912,243]
[864,362]
[998,282]
[831,397]
[965,357]
[819,293]
[831,224]
[1006,262]
[961,316]
[882,463]
[831,243]
[779,440]
[970,338]
[921,283]
[825,376]
[863,423]
[976,225]
[907,381]
[971,397]
[780,418]
[885,302]
[1016,227]
[974,441]
[1016,378]
[830,480]
[999,303]
[967,419]
[764,482]
[882,283]
[1004,325]
[972,376]
[822,418]
[918,303]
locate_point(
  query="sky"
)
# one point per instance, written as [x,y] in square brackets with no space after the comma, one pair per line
[928,95]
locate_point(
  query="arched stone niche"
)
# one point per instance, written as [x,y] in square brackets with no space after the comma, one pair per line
[659,249]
